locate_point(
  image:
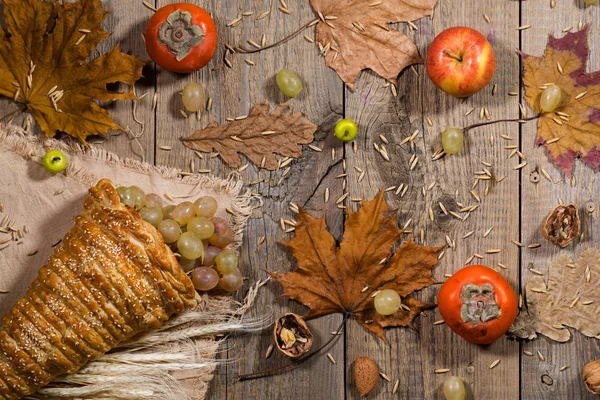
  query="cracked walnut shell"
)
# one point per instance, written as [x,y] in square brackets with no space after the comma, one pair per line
[591,376]
[292,336]
[562,225]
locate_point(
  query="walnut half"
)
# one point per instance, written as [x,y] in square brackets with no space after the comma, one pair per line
[292,336]
[562,225]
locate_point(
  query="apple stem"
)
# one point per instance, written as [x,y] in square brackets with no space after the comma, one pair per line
[288,37]
[453,55]
[520,120]
[293,365]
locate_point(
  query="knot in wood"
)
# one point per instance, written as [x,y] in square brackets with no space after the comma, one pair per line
[590,207]
[547,380]
[534,177]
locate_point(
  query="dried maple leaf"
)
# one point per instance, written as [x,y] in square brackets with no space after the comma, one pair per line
[331,278]
[571,299]
[259,136]
[576,122]
[43,65]
[356,36]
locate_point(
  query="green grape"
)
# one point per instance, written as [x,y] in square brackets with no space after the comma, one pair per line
[591,2]
[289,83]
[152,215]
[223,234]
[189,245]
[193,96]
[186,264]
[168,211]
[231,282]
[205,278]
[387,302]
[183,212]
[170,230]
[454,388]
[138,196]
[153,200]
[201,226]
[452,140]
[125,195]
[550,98]
[54,161]
[206,206]
[227,261]
[210,253]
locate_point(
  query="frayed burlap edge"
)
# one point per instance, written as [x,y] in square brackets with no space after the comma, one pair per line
[186,346]
[19,141]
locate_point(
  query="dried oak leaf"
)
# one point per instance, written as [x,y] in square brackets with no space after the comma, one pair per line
[43,61]
[356,36]
[332,279]
[260,135]
[571,299]
[576,122]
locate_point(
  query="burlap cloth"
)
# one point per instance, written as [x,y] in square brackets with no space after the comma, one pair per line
[38,208]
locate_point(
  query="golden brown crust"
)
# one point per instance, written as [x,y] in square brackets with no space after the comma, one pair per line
[111,278]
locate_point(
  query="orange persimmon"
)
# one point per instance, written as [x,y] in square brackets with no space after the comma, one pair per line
[181,37]
[478,304]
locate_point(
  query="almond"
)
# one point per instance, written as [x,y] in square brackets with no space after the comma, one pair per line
[366,375]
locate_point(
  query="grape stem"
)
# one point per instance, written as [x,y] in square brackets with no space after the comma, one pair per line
[468,128]
[284,368]
[244,50]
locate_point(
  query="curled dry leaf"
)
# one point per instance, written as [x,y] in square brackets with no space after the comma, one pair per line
[576,122]
[591,376]
[43,57]
[562,225]
[359,37]
[292,336]
[332,279]
[260,135]
[571,299]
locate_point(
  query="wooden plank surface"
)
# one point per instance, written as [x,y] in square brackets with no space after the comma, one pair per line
[538,199]
[514,207]
[412,356]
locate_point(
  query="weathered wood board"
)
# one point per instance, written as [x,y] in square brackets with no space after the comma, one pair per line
[513,207]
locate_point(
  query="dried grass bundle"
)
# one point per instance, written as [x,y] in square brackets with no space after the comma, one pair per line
[147,367]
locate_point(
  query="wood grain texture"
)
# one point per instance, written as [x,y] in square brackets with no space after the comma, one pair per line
[537,202]
[515,207]
[412,356]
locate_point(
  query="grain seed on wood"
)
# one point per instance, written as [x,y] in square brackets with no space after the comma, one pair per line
[534,245]
[494,364]
[326,195]
[396,386]
[439,322]
[384,376]
[269,351]
[442,370]
[541,356]
[331,358]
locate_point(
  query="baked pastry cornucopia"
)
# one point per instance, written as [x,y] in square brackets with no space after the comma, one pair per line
[110,278]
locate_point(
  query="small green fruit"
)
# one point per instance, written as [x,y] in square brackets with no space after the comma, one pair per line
[54,161]
[346,130]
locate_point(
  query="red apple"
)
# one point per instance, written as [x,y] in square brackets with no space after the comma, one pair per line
[460,61]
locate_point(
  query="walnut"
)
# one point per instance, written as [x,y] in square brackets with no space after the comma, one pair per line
[591,376]
[292,336]
[562,225]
